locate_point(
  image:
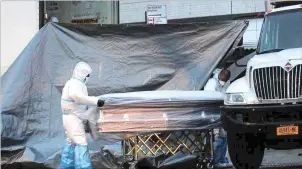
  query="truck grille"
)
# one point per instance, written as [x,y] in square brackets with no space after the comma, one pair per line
[274,83]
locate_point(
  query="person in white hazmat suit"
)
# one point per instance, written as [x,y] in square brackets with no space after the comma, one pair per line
[219,82]
[74,101]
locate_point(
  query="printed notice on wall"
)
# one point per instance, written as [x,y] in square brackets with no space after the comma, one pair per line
[89,4]
[84,15]
[157,14]
[156,21]
[52,6]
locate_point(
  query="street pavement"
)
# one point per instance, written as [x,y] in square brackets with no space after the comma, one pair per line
[282,159]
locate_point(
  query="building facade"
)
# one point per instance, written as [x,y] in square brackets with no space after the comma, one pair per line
[99,12]
[25,16]
[133,11]
[19,24]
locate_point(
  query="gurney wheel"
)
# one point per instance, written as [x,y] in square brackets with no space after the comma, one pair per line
[198,165]
[203,163]
[210,166]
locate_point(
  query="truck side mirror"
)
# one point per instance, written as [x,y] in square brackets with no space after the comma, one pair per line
[239,52]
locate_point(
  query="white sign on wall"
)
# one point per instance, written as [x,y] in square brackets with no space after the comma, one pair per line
[156,21]
[157,14]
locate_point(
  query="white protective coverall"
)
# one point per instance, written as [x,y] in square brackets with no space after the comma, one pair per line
[74,101]
[214,84]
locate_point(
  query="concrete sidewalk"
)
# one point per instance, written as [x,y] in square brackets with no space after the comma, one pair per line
[282,159]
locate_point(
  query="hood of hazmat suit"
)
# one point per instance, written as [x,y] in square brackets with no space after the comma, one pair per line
[81,71]
[54,19]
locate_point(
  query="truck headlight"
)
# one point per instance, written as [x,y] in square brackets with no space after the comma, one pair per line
[234,98]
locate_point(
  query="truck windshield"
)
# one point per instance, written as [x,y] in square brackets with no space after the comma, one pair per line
[282,30]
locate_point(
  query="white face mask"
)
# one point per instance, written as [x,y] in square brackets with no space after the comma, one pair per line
[221,82]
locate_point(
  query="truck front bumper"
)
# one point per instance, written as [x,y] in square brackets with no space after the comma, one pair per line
[257,123]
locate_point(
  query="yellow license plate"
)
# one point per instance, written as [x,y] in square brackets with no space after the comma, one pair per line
[287,130]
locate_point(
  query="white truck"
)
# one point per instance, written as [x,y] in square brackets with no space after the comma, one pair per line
[263,109]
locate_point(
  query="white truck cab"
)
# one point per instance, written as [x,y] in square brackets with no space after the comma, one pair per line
[272,75]
[264,108]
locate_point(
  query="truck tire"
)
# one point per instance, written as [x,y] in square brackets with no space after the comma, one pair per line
[246,151]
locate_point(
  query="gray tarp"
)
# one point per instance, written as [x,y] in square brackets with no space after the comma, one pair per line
[124,58]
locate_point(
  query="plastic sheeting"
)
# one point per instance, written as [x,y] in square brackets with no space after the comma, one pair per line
[124,58]
[160,111]
[128,114]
